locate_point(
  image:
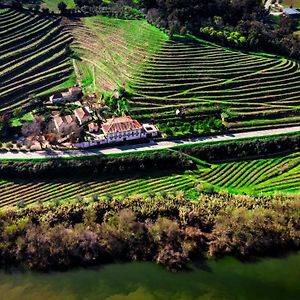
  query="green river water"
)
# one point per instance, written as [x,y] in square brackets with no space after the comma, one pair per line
[224,279]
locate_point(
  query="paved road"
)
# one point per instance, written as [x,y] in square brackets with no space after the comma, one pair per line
[149,146]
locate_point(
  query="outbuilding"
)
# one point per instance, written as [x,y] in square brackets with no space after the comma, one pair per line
[292,12]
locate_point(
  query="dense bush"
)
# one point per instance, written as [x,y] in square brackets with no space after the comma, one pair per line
[192,127]
[125,164]
[238,23]
[180,13]
[225,37]
[244,149]
[170,231]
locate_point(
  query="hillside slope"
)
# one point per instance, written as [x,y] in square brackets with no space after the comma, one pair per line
[111,50]
[260,176]
[33,57]
[254,91]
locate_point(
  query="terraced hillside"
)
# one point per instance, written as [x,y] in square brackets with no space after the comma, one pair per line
[255,91]
[204,80]
[112,50]
[257,176]
[33,57]
[262,176]
[13,192]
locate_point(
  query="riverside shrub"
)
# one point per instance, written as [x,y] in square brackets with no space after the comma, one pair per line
[168,230]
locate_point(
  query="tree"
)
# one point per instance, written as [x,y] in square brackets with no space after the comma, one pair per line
[32,129]
[286,26]
[45,11]
[17,113]
[36,7]
[122,107]
[4,125]
[16,4]
[62,6]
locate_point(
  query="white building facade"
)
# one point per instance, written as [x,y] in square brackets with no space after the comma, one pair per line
[121,129]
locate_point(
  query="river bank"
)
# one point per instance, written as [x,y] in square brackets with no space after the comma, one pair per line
[226,279]
[167,229]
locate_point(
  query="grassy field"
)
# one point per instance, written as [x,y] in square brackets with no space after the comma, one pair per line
[33,57]
[294,3]
[112,50]
[52,4]
[253,177]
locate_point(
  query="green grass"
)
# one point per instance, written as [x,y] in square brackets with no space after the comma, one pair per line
[71,80]
[112,50]
[52,4]
[288,3]
[15,122]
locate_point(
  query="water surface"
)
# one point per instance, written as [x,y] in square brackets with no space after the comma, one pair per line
[226,279]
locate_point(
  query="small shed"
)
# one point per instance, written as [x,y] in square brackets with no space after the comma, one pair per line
[292,12]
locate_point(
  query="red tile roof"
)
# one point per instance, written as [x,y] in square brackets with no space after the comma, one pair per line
[93,126]
[120,124]
[66,120]
[81,114]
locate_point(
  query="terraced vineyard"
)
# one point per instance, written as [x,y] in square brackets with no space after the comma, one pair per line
[262,176]
[33,57]
[257,176]
[258,91]
[13,192]
[111,50]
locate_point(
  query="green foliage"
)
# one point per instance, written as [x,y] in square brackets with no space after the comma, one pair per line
[196,127]
[225,36]
[168,231]
[117,102]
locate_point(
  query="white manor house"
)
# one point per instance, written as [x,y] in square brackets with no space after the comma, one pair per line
[118,130]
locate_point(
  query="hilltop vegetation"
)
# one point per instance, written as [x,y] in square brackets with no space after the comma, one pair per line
[53,4]
[33,57]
